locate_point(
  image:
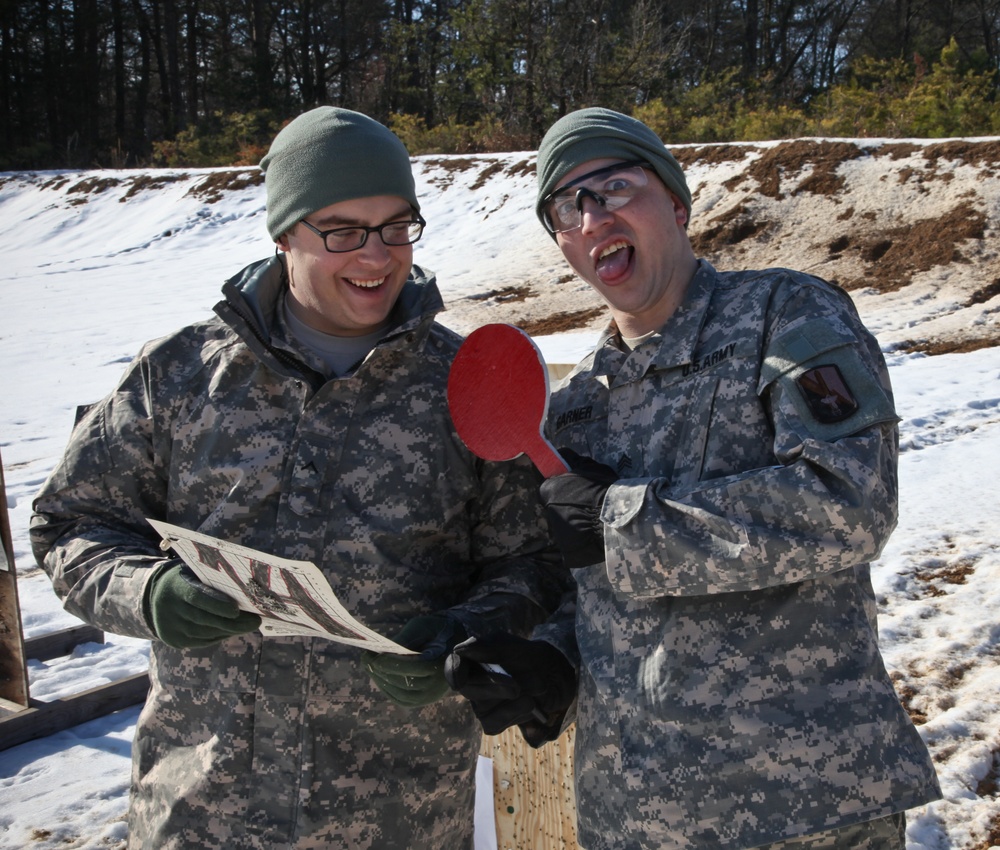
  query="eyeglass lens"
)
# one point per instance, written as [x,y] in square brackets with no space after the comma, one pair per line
[611,187]
[343,239]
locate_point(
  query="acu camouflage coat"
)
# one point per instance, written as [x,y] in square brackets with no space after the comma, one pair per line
[224,428]
[732,692]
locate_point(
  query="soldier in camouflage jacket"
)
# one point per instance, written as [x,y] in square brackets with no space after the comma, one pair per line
[234,428]
[733,450]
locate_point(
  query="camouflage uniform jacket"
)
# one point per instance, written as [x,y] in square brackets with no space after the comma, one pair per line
[223,427]
[732,692]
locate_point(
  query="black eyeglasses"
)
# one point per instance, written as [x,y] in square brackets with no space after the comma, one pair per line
[340,240]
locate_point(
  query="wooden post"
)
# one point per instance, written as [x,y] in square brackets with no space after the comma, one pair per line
[533,792]
[13,672]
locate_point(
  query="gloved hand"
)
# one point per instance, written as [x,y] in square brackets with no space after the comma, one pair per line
[536,687]
[186,613]
[573,503]
[416,680]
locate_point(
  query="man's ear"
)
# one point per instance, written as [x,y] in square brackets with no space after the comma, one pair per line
[680,211]
[282,242]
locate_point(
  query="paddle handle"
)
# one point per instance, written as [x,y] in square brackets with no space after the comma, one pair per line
[545,457]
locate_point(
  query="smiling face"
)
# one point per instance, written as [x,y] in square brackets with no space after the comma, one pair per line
[637,257]
[352,293]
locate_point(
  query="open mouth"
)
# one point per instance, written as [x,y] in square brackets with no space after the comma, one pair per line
[366,284]
[614,260]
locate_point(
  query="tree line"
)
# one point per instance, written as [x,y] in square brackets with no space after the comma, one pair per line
[121,83]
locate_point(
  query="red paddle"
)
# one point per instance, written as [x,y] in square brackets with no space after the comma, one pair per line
[498,394]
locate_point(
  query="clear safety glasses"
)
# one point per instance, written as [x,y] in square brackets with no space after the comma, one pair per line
[610,187]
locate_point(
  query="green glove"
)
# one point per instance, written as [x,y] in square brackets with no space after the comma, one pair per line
[186,613]
[416,680]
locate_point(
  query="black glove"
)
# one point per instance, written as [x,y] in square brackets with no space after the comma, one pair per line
[186,613]
[531,684]
[416,680]
[573,503]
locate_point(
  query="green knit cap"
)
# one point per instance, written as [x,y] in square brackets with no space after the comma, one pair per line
[598,133]
[328,155]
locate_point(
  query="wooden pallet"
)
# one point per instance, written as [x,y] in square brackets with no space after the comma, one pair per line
[23,722]
[22,718]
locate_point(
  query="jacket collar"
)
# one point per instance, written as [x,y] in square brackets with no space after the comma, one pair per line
[253,298]
[672,345]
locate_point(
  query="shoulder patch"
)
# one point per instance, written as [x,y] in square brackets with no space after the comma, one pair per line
[826,394]
[822,374]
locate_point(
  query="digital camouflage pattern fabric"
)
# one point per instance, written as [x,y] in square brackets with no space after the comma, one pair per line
[226,428]
[732,692]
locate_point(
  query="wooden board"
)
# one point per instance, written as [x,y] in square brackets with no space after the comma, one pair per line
[62,642]
[18,725]
[13,672]
[533,792]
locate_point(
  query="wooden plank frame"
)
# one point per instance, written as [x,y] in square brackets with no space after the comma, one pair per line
[42,719]
[22,718]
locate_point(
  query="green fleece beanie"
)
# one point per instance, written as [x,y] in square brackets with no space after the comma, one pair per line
[598,133]
[328,155]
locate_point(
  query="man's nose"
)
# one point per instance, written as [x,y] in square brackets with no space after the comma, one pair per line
[591,213]
[374,250]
